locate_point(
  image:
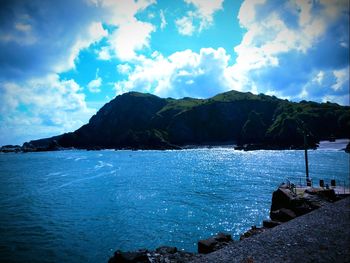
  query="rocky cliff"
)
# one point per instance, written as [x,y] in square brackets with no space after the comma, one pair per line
[144,121]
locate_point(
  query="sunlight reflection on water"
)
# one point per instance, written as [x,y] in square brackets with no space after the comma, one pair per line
[83,205]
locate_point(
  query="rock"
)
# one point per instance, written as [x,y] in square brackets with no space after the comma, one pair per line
[222,237]
[328,194]
[270,223]
[318,197]
[164,254]
[53,146]
[206,246]
[166,250]
[251,232]
[282,198]
[282,215]
[347,148]
[302,209]
[214,243]
[167,254]
[139,256]
[10,148]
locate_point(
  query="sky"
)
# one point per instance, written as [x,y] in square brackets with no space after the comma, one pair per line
[60,61]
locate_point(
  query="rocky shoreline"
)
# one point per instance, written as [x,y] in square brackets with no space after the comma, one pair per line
[54,146]
[286,205]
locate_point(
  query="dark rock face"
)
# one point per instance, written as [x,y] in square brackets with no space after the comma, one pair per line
[270,223]
[282,198]
[283,215]
[326,194]
[129,257]
[251,232]
[144,121]
[162,254]
[170,255]
[214,243]
[10,148]
[347,148]
[166,250]
[167,254]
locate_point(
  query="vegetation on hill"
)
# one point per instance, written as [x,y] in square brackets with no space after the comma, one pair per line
[144,121]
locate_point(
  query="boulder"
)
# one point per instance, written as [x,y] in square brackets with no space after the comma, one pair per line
[10,148]
[347,148]
[302,209]
[167,254]
[139,256]
[206,246]
[316,198]
[164,254]
[222,237]
[251,232]
[328,194]
[282,198]
[282,215]
[214,243]
[166,250]
[270,223]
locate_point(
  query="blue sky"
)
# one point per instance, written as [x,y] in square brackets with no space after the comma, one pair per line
[60,61]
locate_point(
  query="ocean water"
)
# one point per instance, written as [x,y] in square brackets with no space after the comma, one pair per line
[80,206]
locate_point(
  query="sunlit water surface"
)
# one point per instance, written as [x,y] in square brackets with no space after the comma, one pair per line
[80,206]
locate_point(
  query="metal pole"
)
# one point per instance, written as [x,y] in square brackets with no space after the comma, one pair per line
[306,159]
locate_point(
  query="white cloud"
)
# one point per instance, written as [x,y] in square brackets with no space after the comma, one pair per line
[124,68]
[342,78]
[319,77]
[120,12]
[182,74]
[131,34]
[203,13]
[23,27]
[52,106]
[163,22]
[94,33]
[35,45]
[270,35]
[104,53]
[247,12]
[130,37]
[21,31]
[94,85]
[185,24]
[285,44]
[205,10]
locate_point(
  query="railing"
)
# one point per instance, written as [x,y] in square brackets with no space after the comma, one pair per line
[340,186]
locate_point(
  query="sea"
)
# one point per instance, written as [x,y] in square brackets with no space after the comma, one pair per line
[81,206]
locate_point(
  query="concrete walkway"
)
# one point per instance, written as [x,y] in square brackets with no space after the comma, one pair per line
[320,236]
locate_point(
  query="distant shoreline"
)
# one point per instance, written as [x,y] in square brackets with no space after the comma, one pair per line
[338,144]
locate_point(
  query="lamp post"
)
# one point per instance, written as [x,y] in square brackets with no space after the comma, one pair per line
[302,127]
[308,181]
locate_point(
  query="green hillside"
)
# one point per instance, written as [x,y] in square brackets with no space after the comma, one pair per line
[144,121]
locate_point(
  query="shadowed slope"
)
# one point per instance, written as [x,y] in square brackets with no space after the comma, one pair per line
[144,121]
